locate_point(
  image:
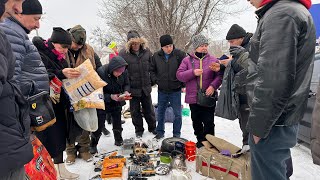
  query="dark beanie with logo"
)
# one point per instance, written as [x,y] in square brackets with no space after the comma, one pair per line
[132,34]
[165,40]
[78,34]
[31,7]
[236,32]
[60,36]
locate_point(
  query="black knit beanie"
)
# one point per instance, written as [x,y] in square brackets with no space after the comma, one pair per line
[235,32]
[165,40]
[60,36]
[31,7]
[132,34]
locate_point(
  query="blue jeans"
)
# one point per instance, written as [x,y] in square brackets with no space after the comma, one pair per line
[269,157]
[175,101]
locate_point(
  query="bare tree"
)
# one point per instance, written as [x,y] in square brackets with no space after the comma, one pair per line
[182,19]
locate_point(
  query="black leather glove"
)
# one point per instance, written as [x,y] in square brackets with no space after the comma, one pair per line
[236,51]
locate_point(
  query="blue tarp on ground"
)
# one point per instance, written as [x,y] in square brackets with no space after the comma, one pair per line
[315,11]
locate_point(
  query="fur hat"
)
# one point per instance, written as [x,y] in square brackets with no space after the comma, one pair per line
[236,32]
[199,40]
[132,34]
[165,40]
[60,36]
[78,34]
[31,7]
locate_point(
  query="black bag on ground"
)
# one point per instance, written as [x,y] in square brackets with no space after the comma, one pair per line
[41,111]
[228,100]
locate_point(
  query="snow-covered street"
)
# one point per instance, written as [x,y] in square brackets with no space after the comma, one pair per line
[228,130]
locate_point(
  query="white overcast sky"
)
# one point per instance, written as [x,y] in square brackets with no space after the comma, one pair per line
[68,13]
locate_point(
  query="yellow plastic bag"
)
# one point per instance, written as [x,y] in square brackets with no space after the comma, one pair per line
[85,84]
[94,100]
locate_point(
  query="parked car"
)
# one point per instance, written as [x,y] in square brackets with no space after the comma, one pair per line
[305,123]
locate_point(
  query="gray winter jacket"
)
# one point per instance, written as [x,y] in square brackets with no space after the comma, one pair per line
[29,69]
[315,128]
[281,65]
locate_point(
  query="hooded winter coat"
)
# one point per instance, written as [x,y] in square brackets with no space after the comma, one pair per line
[315,129]
[15,146]
[280,66]
[116,85]
[209,78]
[30,72]
[138,67]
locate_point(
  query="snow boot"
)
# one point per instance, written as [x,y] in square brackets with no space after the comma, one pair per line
[118,141]
[63,173]
[71,158]
[93,144]
[85,156]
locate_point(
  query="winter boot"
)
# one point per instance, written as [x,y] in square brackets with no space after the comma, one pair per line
[85,156]
[63,173]
[93,144]
[71,151]
[118,141]
[105,131]
[71,158]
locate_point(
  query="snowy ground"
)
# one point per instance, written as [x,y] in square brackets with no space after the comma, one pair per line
[228,130]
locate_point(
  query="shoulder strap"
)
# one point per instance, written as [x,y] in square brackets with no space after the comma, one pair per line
[192,63]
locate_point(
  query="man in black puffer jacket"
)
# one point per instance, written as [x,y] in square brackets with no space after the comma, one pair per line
[30,72]
[138,56]
[15,146]
[116,76]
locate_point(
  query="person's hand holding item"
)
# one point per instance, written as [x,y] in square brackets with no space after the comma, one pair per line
[127,95]
[236,51]
[197,72]
[115,97]
[210,91]
[71,73]
[225,62]
[215,67]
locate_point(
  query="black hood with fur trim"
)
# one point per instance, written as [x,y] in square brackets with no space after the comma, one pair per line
[142,40]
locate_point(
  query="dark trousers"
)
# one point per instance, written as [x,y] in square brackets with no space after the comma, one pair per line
[243,120]
[202,121]
[17,174]
[115,114]
[175,101]
[147,110]
[269,158]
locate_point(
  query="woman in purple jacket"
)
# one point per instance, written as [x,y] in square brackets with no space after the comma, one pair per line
[195,72]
